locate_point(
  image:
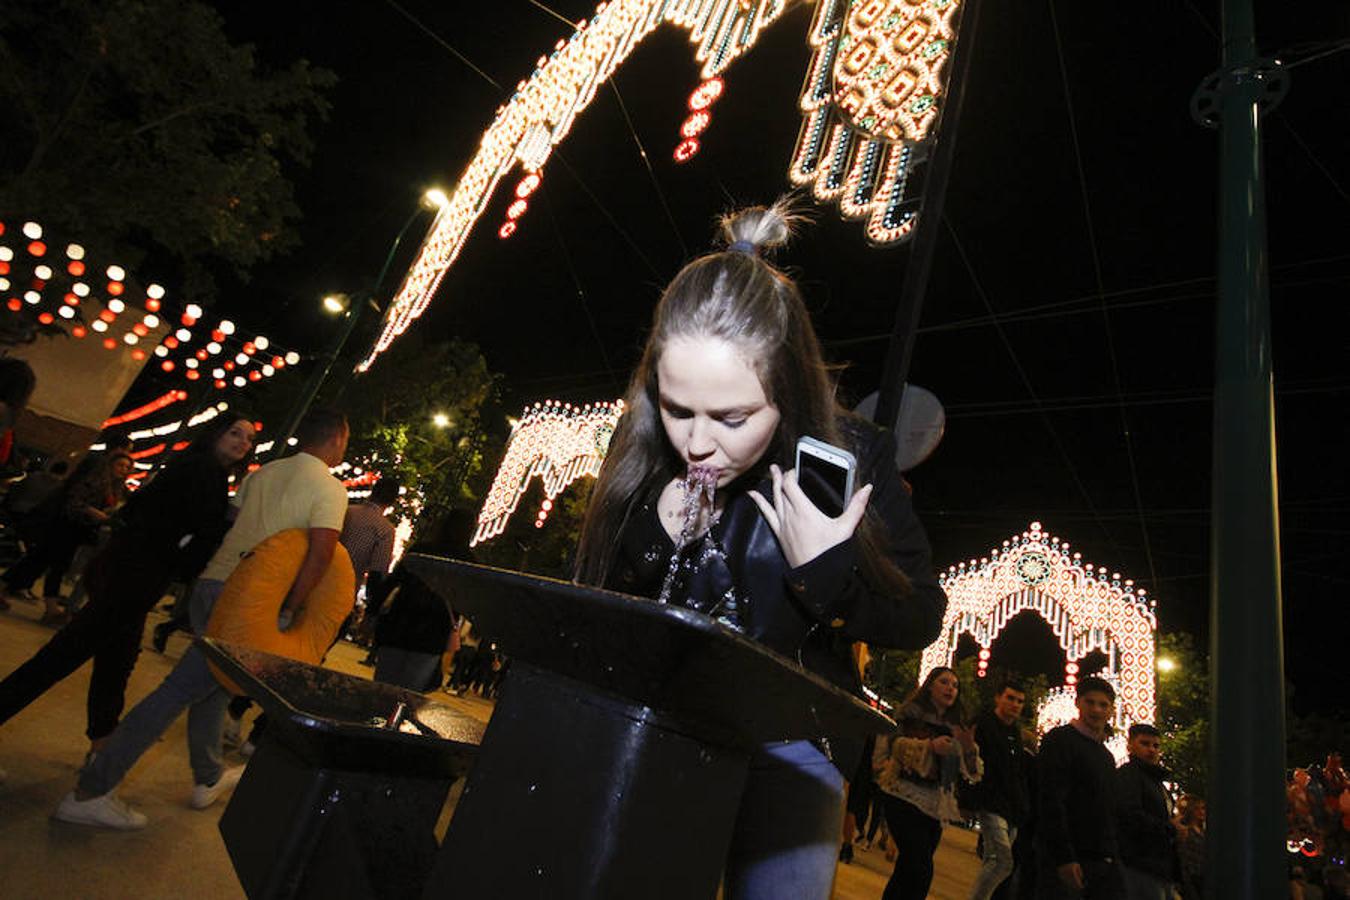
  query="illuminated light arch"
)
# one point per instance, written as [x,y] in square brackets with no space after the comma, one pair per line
[555,442]
[1086,608]
[869,105]
[911,37]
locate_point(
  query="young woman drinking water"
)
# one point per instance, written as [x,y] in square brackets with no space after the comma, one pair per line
[697,504]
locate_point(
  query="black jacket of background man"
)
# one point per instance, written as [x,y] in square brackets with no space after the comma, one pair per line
[1076,798]
[1003,789]
[1147,842]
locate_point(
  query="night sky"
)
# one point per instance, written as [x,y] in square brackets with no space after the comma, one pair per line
[1042,275]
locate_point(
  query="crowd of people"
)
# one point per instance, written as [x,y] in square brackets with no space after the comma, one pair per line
[1056,821]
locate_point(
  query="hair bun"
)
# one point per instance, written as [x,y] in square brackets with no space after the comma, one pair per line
[761,228]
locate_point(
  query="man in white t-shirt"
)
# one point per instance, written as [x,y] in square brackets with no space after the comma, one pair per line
[295,492]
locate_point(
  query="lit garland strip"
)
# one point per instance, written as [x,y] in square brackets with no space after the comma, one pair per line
[168,428]
[541,112]
[558,443]
[872,93]
[72,281]
[153,406]
[1086,608]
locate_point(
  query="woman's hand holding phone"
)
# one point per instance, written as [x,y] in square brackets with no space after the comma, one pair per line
[804,532]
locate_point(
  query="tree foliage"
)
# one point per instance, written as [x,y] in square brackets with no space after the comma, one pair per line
[1183,711]
[135,126]
[393,409]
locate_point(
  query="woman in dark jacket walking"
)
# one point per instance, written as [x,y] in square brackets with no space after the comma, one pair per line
[166,532]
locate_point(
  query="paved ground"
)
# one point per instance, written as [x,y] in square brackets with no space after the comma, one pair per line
[180,853]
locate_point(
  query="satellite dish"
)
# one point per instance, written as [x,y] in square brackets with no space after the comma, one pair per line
[919,427]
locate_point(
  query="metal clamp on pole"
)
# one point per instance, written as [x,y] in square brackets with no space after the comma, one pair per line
[1269,74]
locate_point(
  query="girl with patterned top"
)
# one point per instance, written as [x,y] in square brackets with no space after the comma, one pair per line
[916,770]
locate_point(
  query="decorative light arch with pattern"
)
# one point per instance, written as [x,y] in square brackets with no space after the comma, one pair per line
[554,442]
[1087,607]
[865,113]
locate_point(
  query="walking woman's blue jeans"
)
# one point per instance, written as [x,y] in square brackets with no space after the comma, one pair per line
[190,686]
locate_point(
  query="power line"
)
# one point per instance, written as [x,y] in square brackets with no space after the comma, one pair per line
[1078,306]
[446,44]
[1026,379]
[651,173]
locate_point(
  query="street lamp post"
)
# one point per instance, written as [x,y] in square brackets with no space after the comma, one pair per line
[350,309]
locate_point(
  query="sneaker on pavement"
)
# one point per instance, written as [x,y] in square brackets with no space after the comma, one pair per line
[203,795]
[107,811]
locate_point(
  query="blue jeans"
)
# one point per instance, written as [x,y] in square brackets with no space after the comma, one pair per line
[998,856]
[406,668]
[786,839]
[190,686]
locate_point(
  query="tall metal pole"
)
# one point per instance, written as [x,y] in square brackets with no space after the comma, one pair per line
[924,243]
[1246,775]
[317,377]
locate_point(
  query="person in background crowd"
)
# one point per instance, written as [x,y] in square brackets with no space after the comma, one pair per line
[28,494]
[1078,850]
[85,503]
[167,531]
[917,769]
[290,493]
[17,383]
[1144,818]
[1001,795]
[368,536]
[415,629]
[1190,830]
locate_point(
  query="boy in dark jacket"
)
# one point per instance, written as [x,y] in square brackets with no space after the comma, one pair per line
[1001,795]
[1143,815]
[1075,809]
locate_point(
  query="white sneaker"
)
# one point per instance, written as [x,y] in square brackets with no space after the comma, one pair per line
[107,811]
[232,736]
[203,795]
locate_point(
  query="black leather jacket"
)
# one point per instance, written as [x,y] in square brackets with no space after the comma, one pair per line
[812,613]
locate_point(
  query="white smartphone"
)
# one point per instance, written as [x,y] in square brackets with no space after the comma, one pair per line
[825,474]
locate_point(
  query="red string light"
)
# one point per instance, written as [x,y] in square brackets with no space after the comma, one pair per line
[153,406]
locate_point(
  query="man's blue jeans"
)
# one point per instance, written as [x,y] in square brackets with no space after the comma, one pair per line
[998,857]
[190,686]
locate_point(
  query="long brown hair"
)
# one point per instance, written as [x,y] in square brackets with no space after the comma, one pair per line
[923,696]
[737,296]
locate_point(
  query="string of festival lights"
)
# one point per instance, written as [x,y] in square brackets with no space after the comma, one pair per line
[65,285]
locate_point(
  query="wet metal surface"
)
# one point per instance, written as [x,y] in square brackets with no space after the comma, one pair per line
[674,660]
[337,719]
